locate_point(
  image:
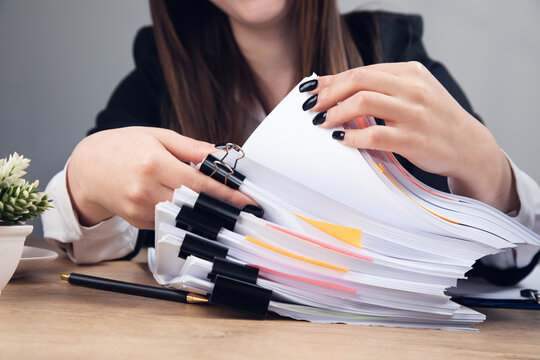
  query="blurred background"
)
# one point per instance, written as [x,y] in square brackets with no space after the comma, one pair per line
[61,59]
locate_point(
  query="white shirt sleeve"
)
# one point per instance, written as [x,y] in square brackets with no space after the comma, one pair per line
[111,239]
[528,215]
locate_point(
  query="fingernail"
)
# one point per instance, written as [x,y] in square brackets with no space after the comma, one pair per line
[338,135]
[319,118]
[310,102]
[308,86]
[255,210]
[220,145]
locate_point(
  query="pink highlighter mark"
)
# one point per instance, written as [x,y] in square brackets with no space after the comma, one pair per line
[321,283]
[326,246]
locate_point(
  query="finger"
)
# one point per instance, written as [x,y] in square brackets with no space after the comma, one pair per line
[161,193]
[182,147]
[375,137]
[199,182]
[344,85]
[366,103]
[171,172]
[141,199]
[143,225]
[397,69]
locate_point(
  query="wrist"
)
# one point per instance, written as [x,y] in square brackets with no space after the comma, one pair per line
[491,182]
[88,211]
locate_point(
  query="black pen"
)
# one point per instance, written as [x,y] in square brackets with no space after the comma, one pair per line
[134,289]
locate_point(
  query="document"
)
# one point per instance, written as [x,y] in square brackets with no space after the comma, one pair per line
[347,234]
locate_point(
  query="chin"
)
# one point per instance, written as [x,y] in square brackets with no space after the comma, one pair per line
[254,13]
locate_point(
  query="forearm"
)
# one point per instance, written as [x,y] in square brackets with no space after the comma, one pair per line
[111,239]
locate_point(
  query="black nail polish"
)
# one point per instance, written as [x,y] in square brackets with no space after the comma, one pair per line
[310,102]
[220,145]
[255,210]
[308,86]
[319,118]
[338,135]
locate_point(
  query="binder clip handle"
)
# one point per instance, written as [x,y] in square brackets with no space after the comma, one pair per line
[232,146]
[531,294]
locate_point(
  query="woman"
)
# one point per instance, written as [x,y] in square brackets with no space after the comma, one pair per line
[211,70]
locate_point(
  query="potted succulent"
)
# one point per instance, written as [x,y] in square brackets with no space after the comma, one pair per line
[19,201]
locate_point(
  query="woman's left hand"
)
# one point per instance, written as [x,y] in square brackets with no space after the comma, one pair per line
[424,123]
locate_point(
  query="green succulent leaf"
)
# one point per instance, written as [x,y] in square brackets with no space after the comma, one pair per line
[19,200]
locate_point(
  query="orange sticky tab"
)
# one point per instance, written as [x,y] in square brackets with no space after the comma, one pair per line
[326,246]
[294,256]
[346,234]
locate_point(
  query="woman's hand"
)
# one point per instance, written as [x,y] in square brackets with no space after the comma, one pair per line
[127,171]
[424,123]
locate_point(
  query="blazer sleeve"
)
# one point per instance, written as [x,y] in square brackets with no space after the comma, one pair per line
[137,100]
[400,40]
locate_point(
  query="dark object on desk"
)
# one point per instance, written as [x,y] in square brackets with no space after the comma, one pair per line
[530,301]
[227,291]
[241,295]
[134,289]
[504,277]
[530,294]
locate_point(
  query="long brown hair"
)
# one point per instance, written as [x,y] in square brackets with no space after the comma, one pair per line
[212,92]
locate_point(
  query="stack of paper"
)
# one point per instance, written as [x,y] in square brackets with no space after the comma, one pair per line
[347,236]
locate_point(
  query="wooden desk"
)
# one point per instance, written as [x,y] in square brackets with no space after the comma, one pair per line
[42,316]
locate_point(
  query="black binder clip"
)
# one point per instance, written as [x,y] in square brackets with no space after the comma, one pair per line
[531,295]
[226,212]
[202,248]
[220,171]
[199,222]
[233,270]
[254,210]
[210,204]
[241,295]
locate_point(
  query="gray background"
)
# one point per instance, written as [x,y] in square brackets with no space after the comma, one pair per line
[61,59]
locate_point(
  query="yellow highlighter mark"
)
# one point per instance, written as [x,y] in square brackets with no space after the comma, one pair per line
[382,170]
[294,256]
[346,234]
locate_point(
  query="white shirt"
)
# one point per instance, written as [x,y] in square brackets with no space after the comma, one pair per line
[115,238]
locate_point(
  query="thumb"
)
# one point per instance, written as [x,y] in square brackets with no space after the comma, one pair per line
[182,147]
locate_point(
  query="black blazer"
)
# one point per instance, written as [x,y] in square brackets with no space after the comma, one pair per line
[137,100]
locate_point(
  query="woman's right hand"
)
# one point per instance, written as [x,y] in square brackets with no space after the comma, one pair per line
[127,171]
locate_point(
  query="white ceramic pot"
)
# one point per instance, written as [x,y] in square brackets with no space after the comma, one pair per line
[11,246]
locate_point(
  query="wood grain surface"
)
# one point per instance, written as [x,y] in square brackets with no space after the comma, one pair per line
[42,316]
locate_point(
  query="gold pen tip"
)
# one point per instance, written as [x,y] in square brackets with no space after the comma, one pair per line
[64,277]
[196,299]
